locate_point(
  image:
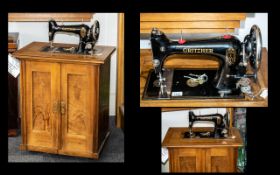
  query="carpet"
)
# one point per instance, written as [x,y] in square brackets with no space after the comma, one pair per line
[113,150]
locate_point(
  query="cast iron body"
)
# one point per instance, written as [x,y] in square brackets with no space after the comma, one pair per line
[231,54]
[221,125]
[88,35]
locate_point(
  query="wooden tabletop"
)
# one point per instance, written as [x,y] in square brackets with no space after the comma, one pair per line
[145,66]
[33,52]
[174,138]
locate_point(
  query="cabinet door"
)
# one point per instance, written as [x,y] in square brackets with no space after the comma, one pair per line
[220,160]
[186,160]
[42,97]
[79,99]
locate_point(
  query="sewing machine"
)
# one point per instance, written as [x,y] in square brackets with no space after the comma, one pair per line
[88,37]
[220,129]
[230,80]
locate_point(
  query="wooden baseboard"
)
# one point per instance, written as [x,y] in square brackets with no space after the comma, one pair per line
[12,132]
[95,155]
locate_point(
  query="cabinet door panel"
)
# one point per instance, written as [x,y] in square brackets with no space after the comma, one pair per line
[220,160]
[186,160]
[78,87]
[42,95]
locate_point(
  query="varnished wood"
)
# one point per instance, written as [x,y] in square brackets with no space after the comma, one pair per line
[34,49]
[64,106]
[120,73]
[39,149]
[179,61]
[201,155]
[103,99]
[191,16]
[264,67]
[190,25]
[94,155]
[79,93]
[39,17]
[42,80]
[176,31]
[186,160]
[174,138]
[220,160]
[263,73]
[231,116]
[191,22]
[23,105]
[204,103]
[176,109]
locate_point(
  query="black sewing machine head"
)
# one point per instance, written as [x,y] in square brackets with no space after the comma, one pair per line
[233,57]
[220,130]
[88,36]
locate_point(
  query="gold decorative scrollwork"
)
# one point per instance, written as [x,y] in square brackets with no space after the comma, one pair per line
[231,56]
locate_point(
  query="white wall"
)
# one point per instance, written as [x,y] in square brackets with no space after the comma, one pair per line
[181,119]
[261,19]
[38,31]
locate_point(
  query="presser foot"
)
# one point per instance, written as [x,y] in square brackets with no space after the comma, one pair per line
[189,135]
[95,51]
[224,92]
[164,83]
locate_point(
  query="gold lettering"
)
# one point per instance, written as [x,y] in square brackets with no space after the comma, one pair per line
[196,50]
[70,29]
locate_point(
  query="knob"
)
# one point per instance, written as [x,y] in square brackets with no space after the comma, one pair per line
[182,41]
[62,107]
[227,36]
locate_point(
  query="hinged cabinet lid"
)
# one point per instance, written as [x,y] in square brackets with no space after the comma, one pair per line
[174,138]
[34,52]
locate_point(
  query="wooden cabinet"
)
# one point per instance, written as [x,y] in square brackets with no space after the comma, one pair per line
[185,160]
[64,101]
[13,114]
[220,160]
[201,155]
[202,160]
[41,95]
